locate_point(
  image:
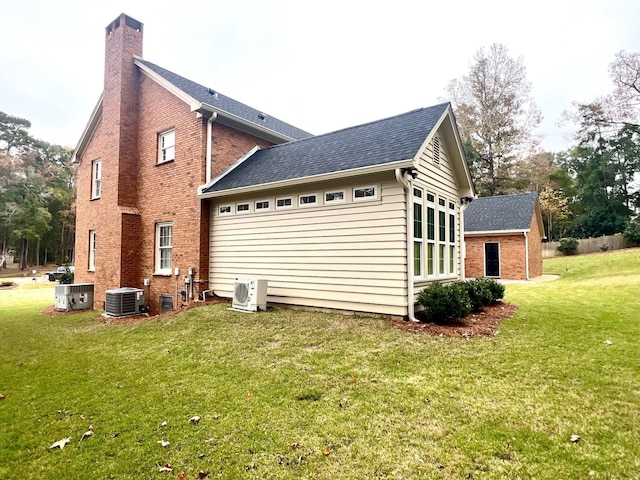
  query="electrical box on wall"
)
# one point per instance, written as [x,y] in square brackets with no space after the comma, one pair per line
[192,271]
[146,282]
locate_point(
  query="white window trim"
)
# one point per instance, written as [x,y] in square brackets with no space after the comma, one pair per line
[305,205]
[220,207]
[159,270]
[96,179]
[284,207]
[92,250]
[162,149]
[242,212]
[339,200]
[366,199]
[419,240]
[268,208]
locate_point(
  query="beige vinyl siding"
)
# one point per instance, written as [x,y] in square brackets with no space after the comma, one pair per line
[440,180]
[349,255]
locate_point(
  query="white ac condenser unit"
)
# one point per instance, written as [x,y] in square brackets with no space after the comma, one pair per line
[75,296]
[249,294]
[124,301]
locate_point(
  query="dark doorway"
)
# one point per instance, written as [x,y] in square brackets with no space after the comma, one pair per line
[492,259]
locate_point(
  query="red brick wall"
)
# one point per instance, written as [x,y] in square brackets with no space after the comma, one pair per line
[535,248]
[137,193]
[512,256]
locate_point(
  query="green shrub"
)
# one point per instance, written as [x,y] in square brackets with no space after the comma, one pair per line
[632,232]
[568,246]
[497,289]
[67,277]
[480,293]
[444,302]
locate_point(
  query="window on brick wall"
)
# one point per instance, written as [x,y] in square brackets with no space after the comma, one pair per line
[92,250]
[164,248]
[96,179]
[167,146]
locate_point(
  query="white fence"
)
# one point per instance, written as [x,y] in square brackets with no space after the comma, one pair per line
[587,245]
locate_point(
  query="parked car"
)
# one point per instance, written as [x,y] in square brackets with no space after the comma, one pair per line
[61,270]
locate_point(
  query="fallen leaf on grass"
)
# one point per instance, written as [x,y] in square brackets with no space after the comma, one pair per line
[165,468]
[87,434]
[203,475]
[2,397]
[61,443]
[195,419]
[608,342]
[326,451]
[164,442]
[295,445]
[249,395]
[164,424]
[574,438]
[181,475]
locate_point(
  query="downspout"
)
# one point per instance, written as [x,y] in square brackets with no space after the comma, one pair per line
[209,142]
[526,254]
[400,176]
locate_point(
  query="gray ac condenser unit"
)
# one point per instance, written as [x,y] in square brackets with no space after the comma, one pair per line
[124,301]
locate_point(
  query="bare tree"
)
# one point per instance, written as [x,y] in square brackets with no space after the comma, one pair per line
[497,117]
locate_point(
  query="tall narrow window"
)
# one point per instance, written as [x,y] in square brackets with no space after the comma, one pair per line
[417,232]
[431,234]
[96,179]
[167,146]
[442,238]
[164,247]
[452,241]
[92,250]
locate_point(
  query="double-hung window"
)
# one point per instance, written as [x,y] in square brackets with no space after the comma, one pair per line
[167,146]
[431,233]
[92,250]
[164,248]
[418,232]
[96,179]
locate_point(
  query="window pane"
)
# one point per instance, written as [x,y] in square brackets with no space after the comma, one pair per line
[441,263]
[430,251]
[165,258]
[452,258]
[417,220]
[452,228]
[442,226]
[165,236]
[431,227]
[417,259]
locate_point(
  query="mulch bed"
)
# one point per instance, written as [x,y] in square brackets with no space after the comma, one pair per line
[477,324]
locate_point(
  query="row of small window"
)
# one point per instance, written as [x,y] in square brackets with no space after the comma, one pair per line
[305,200]
[166,153]
[163,252]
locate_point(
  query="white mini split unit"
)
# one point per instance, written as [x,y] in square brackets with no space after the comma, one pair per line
[249,295]
[124,301]
[76,296]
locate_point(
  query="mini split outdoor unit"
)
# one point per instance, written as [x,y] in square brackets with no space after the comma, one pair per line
[76,296]
[249,295]
[124,301]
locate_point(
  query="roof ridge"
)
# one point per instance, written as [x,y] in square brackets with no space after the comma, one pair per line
[357,126]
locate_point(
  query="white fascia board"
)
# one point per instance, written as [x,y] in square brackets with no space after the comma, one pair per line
[230,169]
[311,179]
[496,232]
[88,132]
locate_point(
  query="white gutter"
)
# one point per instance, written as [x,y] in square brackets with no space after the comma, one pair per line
[526,254]
[495,232]
[209,141]
[297,181]
[408,187]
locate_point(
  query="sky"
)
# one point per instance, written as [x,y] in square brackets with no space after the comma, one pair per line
[320,66]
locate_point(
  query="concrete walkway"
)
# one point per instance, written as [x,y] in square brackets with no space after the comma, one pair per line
[541,278]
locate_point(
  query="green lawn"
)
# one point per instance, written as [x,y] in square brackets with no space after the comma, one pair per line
[292,394]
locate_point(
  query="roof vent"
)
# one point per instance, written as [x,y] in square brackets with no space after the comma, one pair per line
[212,92]
[262,116]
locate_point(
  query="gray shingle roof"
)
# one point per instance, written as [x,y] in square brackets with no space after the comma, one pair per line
[499,213]
[216,99]
[377,143]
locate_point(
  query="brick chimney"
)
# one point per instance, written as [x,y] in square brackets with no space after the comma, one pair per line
[120,101]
